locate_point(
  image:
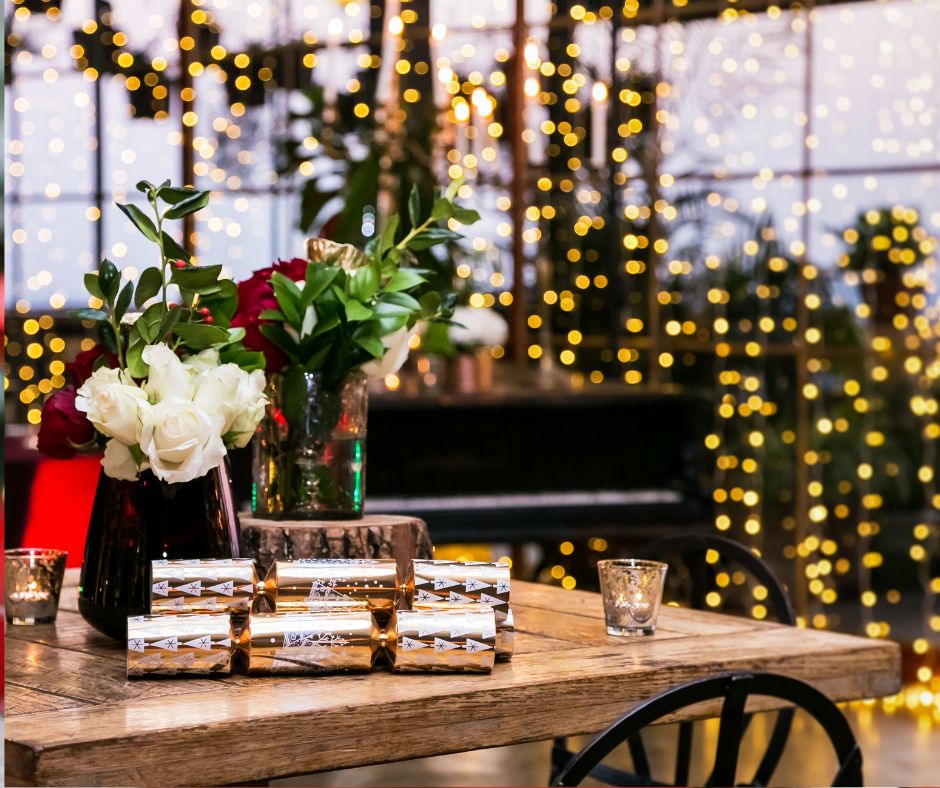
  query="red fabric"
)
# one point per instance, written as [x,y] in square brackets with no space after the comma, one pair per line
[60,505]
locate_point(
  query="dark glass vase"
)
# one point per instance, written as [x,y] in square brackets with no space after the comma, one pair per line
[310,450]
[133,523]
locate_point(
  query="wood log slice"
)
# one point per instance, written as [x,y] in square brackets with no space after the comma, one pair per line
[374,536]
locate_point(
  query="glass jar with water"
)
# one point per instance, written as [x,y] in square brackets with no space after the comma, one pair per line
[309,457]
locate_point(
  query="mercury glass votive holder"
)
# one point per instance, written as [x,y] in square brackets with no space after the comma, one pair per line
[632,590]
[32,583]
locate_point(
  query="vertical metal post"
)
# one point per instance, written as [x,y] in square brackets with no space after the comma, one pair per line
[99,132]
[614,196]
[801,359]
[187,104]
[654,229]
[517,187]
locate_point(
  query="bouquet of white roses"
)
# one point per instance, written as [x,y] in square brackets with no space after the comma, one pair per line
[168,390]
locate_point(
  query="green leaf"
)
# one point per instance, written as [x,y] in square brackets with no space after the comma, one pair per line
[372,345]
[188,205]
[326,324]
[144,186]
[107,337]
[223,304]
[248,360]
[452,188]
[93,286]
[288,298]
[403,279]
[174,194]
[271,314]
[443,209]
[89,314]
[173,251]
[318,279]
[430,304]
[356,311]
[147,326]
[315,362]
[402,300]
[391,324]
[364,283]
[387,240]
[466,215]
[124,301]
[199,336]
[277,335]
[169,321]
[235,335]
[134,360]
[140,220]
[149,284]
[294,396]
[414,205]
[196,277]
[109,279]
[432,237]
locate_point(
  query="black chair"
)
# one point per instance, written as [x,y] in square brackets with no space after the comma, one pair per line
[734,689]
[690,551]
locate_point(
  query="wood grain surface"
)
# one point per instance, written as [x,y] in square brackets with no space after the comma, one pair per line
[73,718]
[374,536]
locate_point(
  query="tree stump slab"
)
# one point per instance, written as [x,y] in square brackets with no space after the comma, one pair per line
[374,536]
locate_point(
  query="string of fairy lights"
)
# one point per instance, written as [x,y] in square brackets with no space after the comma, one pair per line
[697,214]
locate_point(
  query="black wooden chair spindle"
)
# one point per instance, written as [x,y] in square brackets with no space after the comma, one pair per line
[734,690]
[693,552]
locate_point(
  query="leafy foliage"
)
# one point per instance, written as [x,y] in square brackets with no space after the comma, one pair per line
[334,321]
[201,320]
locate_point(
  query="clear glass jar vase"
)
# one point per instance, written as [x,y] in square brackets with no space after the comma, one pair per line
[309,456]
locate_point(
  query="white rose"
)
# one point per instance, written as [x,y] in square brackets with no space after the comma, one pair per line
[167,377]
[480,327]
[203,362]
[237,397]
[396,351]
[116,408]
[253,402]
[119,463]
[181,441]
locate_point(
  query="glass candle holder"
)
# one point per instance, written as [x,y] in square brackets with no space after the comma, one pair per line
[632,591]
[33,581]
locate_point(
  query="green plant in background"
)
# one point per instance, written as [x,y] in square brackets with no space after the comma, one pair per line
[883,247]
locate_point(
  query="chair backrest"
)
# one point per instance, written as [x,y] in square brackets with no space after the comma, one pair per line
[693,550]
[734,689]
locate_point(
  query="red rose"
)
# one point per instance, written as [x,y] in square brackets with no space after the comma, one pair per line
[295,268]
[81,368]
[63,429]
[255,295]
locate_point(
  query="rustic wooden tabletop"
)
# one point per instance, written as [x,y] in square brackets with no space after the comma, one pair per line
[73,718]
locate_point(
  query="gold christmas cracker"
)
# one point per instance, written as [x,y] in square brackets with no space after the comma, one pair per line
[445,583]
[312,642]
[317,584]
[505,627]
[202,586]
[443,640]
[169,645]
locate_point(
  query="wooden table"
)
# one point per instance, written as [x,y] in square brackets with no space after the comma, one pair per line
[73,718]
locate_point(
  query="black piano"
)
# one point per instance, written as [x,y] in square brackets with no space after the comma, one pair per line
[525,464]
